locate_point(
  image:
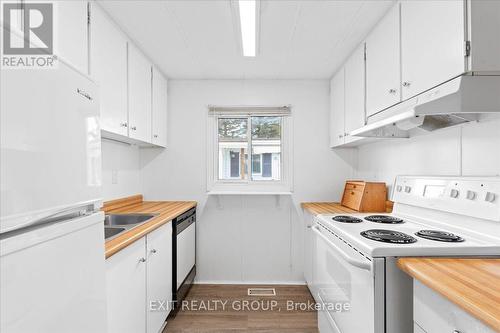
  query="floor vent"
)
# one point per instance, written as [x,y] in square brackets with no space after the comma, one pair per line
[261,292]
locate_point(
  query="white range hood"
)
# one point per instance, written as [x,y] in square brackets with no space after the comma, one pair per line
[455,102]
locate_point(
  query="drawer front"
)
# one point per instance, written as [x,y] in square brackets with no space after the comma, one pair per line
[436,314]
[352,198]
[355,186]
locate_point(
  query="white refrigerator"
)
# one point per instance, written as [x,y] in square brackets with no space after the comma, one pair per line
[52,261]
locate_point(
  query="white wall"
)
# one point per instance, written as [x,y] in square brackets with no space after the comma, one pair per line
[247,238]
[472,149]
[121,174]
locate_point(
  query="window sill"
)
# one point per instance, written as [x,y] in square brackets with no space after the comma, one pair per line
[248,193]
[277,195]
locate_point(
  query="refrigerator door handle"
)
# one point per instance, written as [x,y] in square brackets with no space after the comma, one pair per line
[84,94]
[64,214]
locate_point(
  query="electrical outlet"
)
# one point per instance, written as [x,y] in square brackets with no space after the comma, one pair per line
[114,176]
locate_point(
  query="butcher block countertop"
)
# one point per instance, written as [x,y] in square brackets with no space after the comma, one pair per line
[317,208]
[166,210]
[472,284]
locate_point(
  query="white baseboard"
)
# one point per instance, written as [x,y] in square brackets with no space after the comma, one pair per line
[301,283]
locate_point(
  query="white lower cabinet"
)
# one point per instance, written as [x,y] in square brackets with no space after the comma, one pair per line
[433,313]
[126,289]
[159,277]
[139,284]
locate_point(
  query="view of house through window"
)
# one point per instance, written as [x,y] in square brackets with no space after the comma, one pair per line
[249,148]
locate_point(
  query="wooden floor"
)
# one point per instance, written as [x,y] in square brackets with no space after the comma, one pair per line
[204,311]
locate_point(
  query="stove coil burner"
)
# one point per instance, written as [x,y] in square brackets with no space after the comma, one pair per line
[440,236]
[384,219]
[346,219]
[388,236]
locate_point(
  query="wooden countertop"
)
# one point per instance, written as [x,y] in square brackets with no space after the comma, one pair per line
[472,284]
[166,210]
[317,208]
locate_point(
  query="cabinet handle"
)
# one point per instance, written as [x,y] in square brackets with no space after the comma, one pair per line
[155,136]
[406,84]
[340,136]
[153,251]
[123,124]
[142,260]
[392,91]
[456,331]
[352,193]
[133,128]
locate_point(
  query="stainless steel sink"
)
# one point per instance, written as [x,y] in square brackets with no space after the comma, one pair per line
[110,232]
[126,219]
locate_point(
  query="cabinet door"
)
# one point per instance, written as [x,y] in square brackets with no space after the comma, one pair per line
[72,33]
[139,95]
[432,43]
[159,113]
[355,90]
[126,289]
[159,281]
[108,67]
[337,109]
[383,77]
[434,313]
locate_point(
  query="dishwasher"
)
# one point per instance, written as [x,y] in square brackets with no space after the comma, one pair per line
[183,255]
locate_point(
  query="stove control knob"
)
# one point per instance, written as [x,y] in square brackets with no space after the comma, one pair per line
[454,193]
[471,195]
[490,197]
[399,188]
[407,189]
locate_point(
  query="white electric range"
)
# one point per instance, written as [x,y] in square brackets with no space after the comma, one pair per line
[355,277]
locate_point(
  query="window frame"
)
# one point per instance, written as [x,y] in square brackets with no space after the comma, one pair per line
[214,184]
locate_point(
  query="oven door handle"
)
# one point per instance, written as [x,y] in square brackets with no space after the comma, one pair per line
[360,264]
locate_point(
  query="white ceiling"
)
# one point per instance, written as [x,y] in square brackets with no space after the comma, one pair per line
[192,39]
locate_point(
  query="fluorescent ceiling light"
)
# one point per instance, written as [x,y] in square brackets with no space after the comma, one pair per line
[248,24]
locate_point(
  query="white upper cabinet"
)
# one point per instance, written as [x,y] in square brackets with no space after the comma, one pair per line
[108,67]
[159,276]
[72,33]
[432,44]
[139,95]
[355,90]
[159,113]
[337,124]
[383,77]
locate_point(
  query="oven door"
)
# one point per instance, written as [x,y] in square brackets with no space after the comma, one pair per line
[344,284]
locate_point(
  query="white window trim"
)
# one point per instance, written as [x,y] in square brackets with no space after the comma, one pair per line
[215,185]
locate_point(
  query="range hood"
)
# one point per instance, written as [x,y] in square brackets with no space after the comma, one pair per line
[455,102]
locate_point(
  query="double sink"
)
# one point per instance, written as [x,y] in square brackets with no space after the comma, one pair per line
[116,224]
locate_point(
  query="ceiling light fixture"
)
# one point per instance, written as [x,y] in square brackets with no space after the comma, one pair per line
[248,26]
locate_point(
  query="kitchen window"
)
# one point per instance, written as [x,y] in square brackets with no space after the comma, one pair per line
[249,149]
